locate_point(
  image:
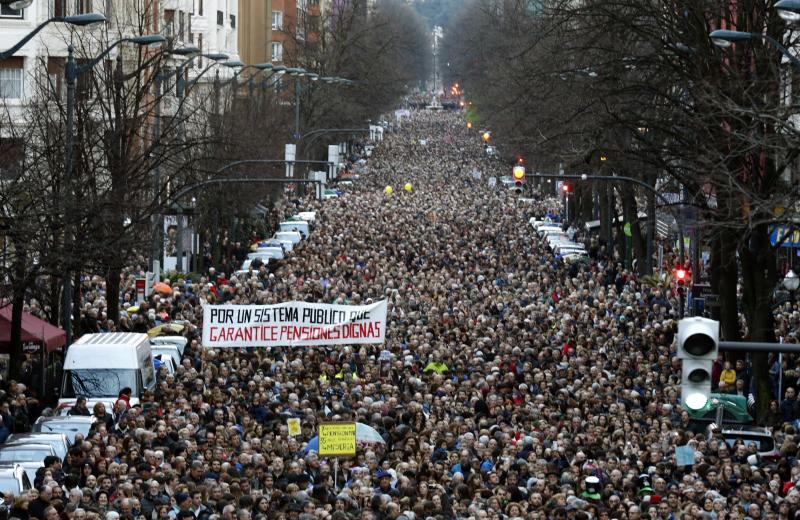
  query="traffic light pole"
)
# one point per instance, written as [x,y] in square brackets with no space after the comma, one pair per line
[750,346]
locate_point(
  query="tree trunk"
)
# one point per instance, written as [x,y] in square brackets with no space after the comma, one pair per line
[724,279]
[112,291]
[636,241]
[17,304]
[54,298]
[758,280]
[76,306]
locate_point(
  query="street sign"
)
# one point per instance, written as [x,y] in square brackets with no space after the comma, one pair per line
[141,285]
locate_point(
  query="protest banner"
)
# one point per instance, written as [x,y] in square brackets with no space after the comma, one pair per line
[293,324]
[337,439]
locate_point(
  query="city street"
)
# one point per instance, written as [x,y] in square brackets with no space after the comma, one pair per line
[510,382]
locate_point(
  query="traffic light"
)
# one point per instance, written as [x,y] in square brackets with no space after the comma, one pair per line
[519,178]
[487,136]
[682,276]
[698,344]
[566,188]
[469,125]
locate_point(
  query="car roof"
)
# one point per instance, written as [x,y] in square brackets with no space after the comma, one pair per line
[25,445]
[64,419]
[36,435]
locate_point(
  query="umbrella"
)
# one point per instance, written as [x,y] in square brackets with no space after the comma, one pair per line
[133,309]
[365,436]
[162,288]
[167,328]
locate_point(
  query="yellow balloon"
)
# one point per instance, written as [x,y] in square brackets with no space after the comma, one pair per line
[388,190]
[408,186]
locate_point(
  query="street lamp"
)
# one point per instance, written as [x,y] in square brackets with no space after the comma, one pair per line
[791,282]
[191,52]
[71,73]
[79,20]
[789,10]
[724,38]
[297,73]
[16,4]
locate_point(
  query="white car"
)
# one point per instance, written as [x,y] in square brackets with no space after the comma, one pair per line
[266,254]
[167,352]
[285,244]
[293,236]
[178,342]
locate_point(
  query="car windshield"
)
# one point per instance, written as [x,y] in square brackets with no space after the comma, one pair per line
[68,428]
[97,382]
[24,455]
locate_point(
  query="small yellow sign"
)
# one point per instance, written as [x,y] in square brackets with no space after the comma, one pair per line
[294,426]
[337,439]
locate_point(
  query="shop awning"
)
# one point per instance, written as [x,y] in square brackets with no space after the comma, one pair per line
[34,330]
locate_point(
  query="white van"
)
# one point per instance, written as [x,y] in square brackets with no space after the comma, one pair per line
[98,366]
[300,226]
[293,236]
[308,216]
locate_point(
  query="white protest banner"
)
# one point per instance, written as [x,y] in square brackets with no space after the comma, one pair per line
[293,324]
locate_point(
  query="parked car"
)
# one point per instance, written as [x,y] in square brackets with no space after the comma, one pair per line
[760,437]
[167,351]
[58,441]
[29,456]
[178,342]
[267,253]
[294,236]
[68,425]
[14,480]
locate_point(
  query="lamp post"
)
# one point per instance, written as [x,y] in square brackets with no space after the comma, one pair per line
[79,20]
[724,38]
[71,73]
[192,52]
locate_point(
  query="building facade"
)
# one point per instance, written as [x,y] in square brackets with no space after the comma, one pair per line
[255,31]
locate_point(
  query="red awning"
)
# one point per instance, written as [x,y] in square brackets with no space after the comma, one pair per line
[34,330]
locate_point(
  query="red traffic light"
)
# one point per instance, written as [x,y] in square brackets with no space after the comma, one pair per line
[520,160]
[681,274]
[566,188]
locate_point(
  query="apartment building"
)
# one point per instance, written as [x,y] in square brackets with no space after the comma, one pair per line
[255,31]
[214,27]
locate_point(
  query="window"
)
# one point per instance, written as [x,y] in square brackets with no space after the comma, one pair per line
[277,20]
[55,73]
[277,51]
[300,27]
[83,6]
[181,26]
[12,153]
[7,12]
[199,10]
[11,78]
[233,21]
[220,18]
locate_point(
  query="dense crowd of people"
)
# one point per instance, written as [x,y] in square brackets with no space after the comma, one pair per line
[518,386]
